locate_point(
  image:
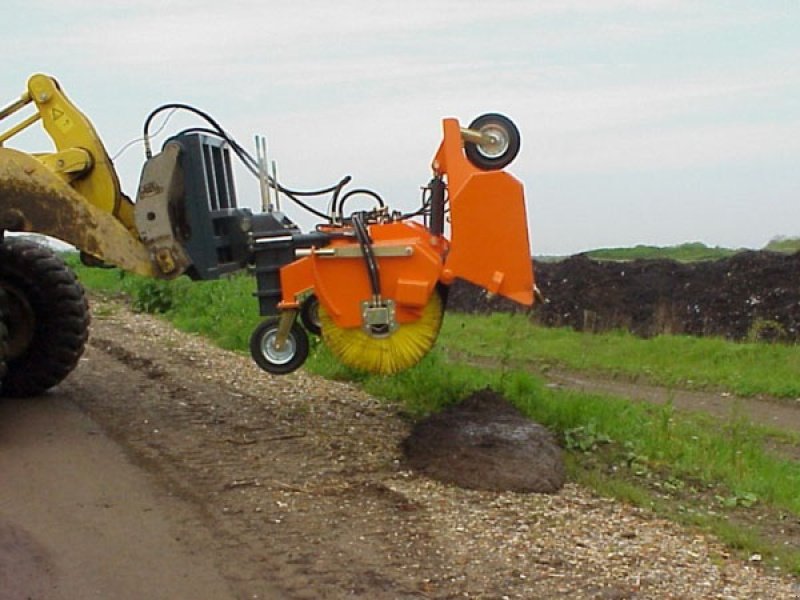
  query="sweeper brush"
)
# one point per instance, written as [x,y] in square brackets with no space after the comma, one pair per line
[373,283]
[388,354]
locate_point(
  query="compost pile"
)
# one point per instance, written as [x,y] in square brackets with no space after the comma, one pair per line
[751,295]
[485,443]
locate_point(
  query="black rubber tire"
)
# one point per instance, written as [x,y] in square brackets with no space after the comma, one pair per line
[47,317]
[282,363]
[309,315]
[3,334]
[493,163]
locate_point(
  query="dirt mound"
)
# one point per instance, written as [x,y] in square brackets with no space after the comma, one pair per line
[751,295]
[485,443]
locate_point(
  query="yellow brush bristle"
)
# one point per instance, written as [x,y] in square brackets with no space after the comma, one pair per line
[401,350]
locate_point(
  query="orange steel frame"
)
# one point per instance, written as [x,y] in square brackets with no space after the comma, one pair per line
[488,246]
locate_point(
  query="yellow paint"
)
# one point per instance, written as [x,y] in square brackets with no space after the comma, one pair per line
[404,348]
[43,202]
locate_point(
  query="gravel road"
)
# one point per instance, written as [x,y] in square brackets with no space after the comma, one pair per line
[292,488]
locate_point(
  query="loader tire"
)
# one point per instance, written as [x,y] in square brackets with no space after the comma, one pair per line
[47,317]
[3,334]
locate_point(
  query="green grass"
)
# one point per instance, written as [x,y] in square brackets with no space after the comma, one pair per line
[224,310]
[673,361]
[684,466]
[689,252]
[788,245]
[655,437]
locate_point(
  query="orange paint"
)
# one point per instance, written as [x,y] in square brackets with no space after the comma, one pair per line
[488,246]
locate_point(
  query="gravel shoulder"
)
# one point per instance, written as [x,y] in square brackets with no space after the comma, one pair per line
[298,483]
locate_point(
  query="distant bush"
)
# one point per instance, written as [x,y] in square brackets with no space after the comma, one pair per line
[783,244]
[688,252]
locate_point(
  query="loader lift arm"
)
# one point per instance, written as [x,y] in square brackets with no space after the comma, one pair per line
[72,193]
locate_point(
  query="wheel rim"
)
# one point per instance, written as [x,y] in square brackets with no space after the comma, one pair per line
[499,144]
[272,354]
[20,321]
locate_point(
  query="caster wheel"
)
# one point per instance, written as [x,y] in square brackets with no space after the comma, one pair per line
[503,148]
[278,362]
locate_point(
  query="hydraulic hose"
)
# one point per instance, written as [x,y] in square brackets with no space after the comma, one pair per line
[369,256]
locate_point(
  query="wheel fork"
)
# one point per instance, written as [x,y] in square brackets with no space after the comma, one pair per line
[287,319]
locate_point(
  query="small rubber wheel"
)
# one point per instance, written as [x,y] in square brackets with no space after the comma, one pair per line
[46,314]
[283,361]
[309,315]
[504,147]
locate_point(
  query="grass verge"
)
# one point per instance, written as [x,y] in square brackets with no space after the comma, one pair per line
[745,369]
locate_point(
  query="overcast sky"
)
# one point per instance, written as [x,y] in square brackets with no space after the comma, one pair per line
[656,122]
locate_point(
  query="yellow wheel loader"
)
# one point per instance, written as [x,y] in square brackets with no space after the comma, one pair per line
[372,283]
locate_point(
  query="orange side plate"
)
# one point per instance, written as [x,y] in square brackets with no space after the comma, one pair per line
[488,222]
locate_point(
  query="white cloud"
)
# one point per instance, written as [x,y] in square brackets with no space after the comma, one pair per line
[596,86]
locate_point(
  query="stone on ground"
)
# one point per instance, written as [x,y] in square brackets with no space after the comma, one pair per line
[485,443]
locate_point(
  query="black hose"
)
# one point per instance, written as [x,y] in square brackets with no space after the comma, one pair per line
[423,210]
[364,192]
[252,165]
[187,107]
[369,255]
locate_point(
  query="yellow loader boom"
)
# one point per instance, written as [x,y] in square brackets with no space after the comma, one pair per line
[72,193]
[80,157]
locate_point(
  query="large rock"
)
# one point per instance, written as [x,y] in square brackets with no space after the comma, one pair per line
[485,443]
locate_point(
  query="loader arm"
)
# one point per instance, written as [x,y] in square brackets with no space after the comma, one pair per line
[71,193]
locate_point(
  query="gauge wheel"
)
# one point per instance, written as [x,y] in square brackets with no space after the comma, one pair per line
[502,150]
[46,315]
[309,315]
[287,359]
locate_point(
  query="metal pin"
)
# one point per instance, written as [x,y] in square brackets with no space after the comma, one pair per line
[275,183]
[263,175]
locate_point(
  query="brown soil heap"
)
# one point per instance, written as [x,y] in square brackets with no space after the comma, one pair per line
[751,295]
[485,443]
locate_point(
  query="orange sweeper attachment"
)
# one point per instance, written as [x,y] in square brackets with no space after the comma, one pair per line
[374,284]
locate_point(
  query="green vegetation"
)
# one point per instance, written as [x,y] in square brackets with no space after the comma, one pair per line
[224,310]
[783,244]
[717,475]
[689,252]
[745,369]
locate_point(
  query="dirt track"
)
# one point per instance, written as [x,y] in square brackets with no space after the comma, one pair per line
[292,488]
